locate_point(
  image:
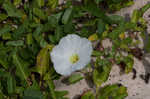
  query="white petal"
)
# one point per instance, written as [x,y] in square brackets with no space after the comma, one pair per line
[70,42]
[84,52]
[60,60]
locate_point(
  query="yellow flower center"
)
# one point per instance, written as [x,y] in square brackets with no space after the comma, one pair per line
[74,58]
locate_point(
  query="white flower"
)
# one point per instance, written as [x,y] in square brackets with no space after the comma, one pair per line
[71,54]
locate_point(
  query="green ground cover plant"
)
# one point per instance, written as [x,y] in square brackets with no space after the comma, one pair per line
[30,29]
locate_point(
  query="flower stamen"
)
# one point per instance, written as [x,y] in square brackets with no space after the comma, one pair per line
[74,58]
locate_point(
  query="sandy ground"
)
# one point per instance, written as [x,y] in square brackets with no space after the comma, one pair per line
[137,89]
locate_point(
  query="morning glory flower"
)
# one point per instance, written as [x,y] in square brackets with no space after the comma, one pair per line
[71,54]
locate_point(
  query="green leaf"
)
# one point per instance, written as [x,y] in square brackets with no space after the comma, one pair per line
[17,2]
[144,8]
[5,29]
[6,36]
[53,21]
[37,3]
[37,34]
[135,16]
[67,15]
[39,13]
[124,44]
[21,30]
[120,29]
[58,33]
[43,58]
[43,43]
[101,27]
[4,56]
[22,70]
[39,37]
[3,59]
[4,62]
[35,86]
[112,91]
[52,39]
[3,17]
[116,18]
[32,94]
[15,43]
[52,4]
[12,11]
[129,63]
[97,53]
[69,28]
[61,94]
[101,75]
[11,84]
[29,39]
[92,8]
[88,95]
[19,90]
[40,3]
[51,85]
[75,78]
[4,74]
[139,13]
